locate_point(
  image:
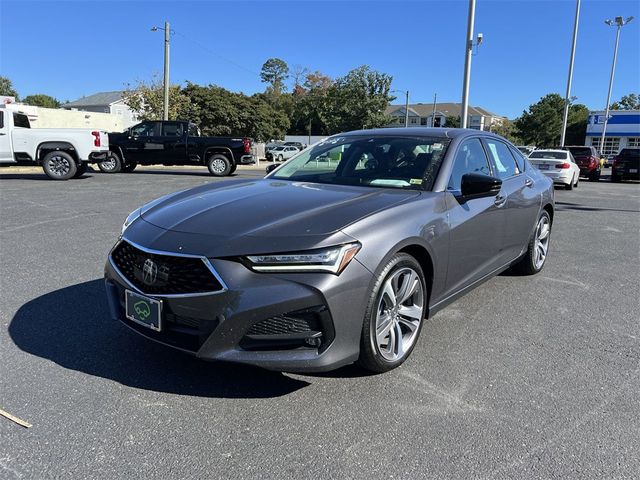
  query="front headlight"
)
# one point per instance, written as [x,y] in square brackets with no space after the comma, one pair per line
[333,260]
[132,217]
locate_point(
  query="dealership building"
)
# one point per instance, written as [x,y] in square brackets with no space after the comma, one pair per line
[623,130]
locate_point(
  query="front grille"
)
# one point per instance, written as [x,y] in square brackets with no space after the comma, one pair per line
[161,274]
[280,325]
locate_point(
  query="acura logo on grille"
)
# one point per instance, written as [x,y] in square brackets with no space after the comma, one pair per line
[149,272]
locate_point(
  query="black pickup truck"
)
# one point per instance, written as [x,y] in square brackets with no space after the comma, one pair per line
[175,143]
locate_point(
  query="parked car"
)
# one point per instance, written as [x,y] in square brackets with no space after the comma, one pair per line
[281,153]
[175,143]
[626,165]
[558,165]
[321,264]
[63,153]
[526,149]
[587,159]
[298,145]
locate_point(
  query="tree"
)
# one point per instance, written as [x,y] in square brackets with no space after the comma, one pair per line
[507,130]
[627,102]
[274,72]
[452,122]
[577,125]
[146,99]
[41,100]
[6,88]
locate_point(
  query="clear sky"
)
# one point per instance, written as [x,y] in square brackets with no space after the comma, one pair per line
[69,49]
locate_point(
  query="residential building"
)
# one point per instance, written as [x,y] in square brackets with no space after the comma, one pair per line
[105,102]
[623,130]
[422,115]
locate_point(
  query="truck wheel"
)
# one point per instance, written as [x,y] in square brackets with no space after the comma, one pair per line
[233,169]
[82,169]
[219,165]
[129,167]
[112,164]
[59,165]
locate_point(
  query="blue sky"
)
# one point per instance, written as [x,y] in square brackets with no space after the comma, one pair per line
[69,49]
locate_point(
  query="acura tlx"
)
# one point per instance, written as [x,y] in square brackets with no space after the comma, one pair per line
[336,256]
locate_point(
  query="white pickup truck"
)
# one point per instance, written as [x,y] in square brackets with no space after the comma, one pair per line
[64,153]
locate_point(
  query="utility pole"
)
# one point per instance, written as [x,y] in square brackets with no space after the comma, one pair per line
[165,105]
[567,98]
[433,115]
[467,65]
[619,22]
[406,110]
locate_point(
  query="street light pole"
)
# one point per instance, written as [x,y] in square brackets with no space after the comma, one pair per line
[165,113]
[467,65]
[619,22]
[567,99]
[433,114]
[406,110]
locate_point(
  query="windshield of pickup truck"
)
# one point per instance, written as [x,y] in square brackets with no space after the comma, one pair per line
[21,120]
[386,162]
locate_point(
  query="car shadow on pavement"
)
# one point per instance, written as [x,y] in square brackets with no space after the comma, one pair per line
[37,176]
[72,327]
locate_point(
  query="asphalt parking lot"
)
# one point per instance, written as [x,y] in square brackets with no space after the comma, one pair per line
[523,377]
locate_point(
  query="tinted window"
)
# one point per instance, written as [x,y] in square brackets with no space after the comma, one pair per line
[517,154]
[470,158]
[502,159]
[143,130]
[630,152]
[549,155]
[21,120]
[580,151]
[1,119]
[193,130]
[172,129]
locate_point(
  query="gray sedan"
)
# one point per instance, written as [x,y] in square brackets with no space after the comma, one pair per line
[336,256]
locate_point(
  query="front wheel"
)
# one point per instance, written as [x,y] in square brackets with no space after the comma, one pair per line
[219,165]
[538,247]
[111,164]
[59,165]
[393,318]
[129,167]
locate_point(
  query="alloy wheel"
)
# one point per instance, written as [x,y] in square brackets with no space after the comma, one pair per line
[59,165]
[109,163]
[399,313]
[543,231]
[218,165]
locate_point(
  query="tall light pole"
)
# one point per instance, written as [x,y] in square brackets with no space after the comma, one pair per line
[464,113]
[619,23]
[567,97]
[406,106]
[433,114]
[167,31]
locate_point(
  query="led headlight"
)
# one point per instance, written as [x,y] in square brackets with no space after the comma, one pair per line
[132,217]
[332,259]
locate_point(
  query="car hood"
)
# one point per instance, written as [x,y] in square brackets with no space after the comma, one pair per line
[270,208]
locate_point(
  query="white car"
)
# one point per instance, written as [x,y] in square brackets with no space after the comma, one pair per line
[283,153]
[558,165]
[63,152]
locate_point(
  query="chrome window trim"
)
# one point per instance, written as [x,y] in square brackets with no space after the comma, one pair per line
[204,259]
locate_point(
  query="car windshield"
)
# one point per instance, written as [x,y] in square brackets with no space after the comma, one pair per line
[387,162]
[580,152]
[550,155]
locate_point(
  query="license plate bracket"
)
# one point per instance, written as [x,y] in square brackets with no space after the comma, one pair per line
[143,310]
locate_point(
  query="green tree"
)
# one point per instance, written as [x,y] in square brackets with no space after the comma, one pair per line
[577,125]
[507,130]
[627,102]
[274,72]
[41,100]
[6,88]
[146,99]
[452,122]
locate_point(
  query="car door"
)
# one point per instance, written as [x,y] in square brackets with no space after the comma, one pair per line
[174,142]
[520,201]
[144,143]
[6,155]
[475,225]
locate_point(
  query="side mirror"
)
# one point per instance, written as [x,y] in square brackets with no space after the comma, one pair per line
[476,185]
[272,167]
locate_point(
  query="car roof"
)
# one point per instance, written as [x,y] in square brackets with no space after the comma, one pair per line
[418,132]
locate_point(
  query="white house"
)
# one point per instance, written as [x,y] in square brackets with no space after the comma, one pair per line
[421,114]
[105,102]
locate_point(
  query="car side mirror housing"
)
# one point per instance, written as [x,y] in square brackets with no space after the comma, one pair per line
[271,168]
[476,185]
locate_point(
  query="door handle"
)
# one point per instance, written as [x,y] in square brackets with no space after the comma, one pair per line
[528,182]
[500,200]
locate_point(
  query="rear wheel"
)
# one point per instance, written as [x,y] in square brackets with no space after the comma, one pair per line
[111,164]
[280,158]
[59,165]
[82,169]
[615,178]
[233,169]
[393,318]
[219,165]
[594,176]
[538,247]
[569,186]
[129,167]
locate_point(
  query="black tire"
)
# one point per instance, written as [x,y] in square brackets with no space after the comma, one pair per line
[112,164]
[527,264]
[59,165]
[129,167]
[233,169]
[370,356]
[280,158]
[219,165]
[82,169]
[569,186]
[615,178]
[594,176]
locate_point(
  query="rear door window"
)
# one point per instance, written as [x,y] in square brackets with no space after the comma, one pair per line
[505,164]
[20,120]
[470,158]
[172,129]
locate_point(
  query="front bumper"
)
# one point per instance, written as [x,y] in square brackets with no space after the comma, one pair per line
[216,326]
